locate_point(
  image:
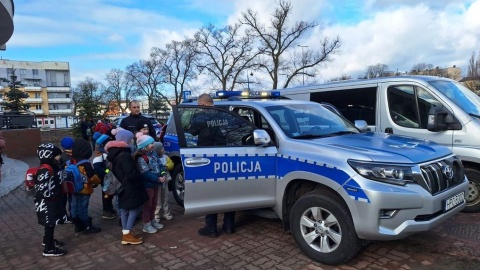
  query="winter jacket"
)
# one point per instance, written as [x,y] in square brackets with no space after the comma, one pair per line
[93,179]
[134,194]
[130,123]
[49,198]
[100,127]
[150,168]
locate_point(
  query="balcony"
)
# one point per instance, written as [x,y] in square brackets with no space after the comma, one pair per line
[33,88]
[60,111]
[34,100]
[38,112]
[58,89]
[60,100]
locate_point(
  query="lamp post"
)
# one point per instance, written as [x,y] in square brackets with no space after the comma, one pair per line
[303,62]
[248,80]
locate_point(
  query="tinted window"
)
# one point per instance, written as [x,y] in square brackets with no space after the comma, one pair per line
[354,104]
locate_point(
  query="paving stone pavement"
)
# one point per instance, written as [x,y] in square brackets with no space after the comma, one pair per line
[259,243]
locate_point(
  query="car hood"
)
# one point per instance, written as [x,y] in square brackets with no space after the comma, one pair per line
[382,147]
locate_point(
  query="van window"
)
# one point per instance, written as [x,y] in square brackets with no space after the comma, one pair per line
[354,104]
[409,105]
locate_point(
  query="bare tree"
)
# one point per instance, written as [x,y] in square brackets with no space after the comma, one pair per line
[146,78]
[177,66]
[87,95]
[376,71]
[277,38]
[225,53]
[119,88]
[474,67]
[343,77]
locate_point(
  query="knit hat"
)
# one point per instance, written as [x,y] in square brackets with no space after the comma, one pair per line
[144,141]
[102,139]
[124,136]
[67,143]
[81,149]
[141,123]
[96,135]
[46,152]
[157,147]
[115,130]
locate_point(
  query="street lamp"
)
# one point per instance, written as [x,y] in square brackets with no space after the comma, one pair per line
[248,80]
[303,63]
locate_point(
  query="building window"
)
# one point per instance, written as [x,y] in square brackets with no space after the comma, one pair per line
[37,95]
[35,71]
[68,106]
[38,107]
[23,71]
[67,95]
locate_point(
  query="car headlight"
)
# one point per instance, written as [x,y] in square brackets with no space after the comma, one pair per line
[384,172]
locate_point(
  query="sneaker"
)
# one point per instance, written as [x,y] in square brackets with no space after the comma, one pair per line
[108,215]
[56,243]
[130,239]
[148,228]
[157,225]
[53,252]
[168,216]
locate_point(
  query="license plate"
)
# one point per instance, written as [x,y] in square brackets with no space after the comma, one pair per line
[453,201]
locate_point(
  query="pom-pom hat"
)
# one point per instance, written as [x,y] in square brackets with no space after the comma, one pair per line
[144,141]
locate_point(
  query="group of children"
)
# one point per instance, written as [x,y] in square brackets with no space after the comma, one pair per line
[136,160]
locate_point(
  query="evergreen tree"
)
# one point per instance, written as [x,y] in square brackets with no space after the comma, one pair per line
[14,98]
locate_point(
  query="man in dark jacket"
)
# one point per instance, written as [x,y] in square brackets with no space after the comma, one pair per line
[130,122]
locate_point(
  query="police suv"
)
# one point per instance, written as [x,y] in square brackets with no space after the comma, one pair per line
[331,185]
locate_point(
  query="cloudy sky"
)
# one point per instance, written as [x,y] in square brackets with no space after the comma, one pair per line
[95,36]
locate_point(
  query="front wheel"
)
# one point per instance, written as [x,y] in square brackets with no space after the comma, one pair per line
[473,194]
[323,228]
[178,184]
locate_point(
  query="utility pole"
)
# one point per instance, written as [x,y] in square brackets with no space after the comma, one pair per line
[303,63]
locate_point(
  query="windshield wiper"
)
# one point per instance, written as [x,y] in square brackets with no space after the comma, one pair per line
[308,136]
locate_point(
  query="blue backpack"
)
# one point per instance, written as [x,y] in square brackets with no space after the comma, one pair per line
[73,179]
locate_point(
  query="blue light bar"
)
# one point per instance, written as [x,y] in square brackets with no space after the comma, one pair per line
[248,94]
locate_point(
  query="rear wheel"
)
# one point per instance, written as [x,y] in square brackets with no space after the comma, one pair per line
[473,194]
[178,184]
[323,228]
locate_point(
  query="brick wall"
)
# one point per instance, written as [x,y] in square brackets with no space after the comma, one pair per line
[24,142]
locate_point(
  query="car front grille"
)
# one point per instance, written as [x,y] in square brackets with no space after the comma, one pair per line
[441,175]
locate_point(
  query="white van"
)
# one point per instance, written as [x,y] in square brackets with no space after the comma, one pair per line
[427,107]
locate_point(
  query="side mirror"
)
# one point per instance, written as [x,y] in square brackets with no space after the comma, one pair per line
[261,137]
[362,125]
[439,119]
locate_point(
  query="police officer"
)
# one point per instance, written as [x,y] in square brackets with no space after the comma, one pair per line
[130,122]
[209,136]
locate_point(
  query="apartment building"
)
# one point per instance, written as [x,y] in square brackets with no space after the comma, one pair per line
[48,87]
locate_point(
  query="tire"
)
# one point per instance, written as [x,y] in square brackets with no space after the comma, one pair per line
[328,237]
[178,184]
[473,194]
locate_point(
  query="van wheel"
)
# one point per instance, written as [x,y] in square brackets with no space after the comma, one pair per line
[473,194]
[178,184]
[323,228]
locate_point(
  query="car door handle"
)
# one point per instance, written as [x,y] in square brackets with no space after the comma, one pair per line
[195,162]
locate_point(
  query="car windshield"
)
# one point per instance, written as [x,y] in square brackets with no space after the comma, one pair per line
[303,121]
[460,95]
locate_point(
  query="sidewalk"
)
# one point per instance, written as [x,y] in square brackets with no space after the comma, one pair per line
[13,173]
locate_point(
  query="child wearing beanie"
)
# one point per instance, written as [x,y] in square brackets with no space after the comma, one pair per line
[133,196]
[81,152]
[142,128]
[66,158]
[153,175]
[162,201]
[100,165]
[48,198]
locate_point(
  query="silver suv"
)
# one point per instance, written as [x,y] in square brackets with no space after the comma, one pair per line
[331,185]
